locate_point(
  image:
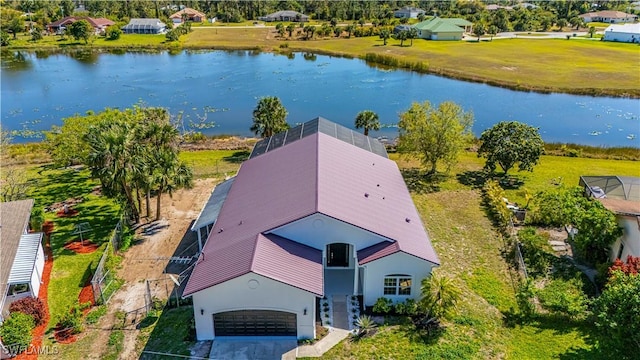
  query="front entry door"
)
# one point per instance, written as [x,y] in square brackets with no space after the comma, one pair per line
[338,255]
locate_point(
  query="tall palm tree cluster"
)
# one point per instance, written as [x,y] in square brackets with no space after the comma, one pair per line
[134,153]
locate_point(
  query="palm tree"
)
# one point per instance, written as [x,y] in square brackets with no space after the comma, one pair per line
[290,29]
[269,117]
[368,120]
[412,34]
[439,295]
[385,34]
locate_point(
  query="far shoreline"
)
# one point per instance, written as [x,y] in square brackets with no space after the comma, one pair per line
[385,60]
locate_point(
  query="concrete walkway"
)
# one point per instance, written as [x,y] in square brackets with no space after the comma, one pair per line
[318,349]
[340,313]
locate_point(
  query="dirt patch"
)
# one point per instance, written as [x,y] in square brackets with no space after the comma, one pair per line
[38,332]
[64,206]
[149,259]
[80,247]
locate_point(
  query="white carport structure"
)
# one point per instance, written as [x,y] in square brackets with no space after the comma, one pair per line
[209,213]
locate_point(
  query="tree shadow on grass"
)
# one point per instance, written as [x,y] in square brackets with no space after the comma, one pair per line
[420,182]
[237,157]
[477,178]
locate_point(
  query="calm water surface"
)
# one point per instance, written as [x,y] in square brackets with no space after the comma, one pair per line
[39,90]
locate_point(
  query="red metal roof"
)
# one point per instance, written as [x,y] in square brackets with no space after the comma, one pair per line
[318,173]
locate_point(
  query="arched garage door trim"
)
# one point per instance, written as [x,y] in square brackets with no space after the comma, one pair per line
[255,323]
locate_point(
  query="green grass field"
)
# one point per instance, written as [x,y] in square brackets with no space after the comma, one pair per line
[590,67]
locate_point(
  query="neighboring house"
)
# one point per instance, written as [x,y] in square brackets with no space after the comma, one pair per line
[623,33]
[494,7]
[99,24]
[22,260]
[408,12]
[400,28]
[318,210]
[189,14]
[438,28]
[145,26]
[609,16]
[285,15]
[621,195]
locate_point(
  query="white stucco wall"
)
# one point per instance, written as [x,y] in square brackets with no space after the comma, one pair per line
[621,36]
[630,237]
[237,294]
[36,276]
[398,263]
[318,230]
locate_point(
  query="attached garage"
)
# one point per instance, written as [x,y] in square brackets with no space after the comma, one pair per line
[255,323]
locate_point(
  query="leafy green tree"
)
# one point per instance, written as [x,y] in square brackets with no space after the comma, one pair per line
[36,33]
[435,134]
[113,32]
[281,31]
[361,22]
[269,117]
[492,30]
[479,30]
[11,21]
[5,38]
[385,34]
[172,35]
[592,31]
[81,29]
[439,295]
[350,29]
[509,143]
[367,120]
[67,144]
[617,310]
[337,31]
[334,22]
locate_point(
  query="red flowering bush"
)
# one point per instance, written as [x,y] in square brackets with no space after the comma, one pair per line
[30,306]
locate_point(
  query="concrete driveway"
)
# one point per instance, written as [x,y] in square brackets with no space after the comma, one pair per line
[251,348]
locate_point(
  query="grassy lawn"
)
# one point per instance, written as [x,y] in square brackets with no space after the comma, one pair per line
[214,163]
[470,253]
[167,331]
[70,270]
[126,40]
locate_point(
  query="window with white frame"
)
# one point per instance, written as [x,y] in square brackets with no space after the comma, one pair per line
[397,284]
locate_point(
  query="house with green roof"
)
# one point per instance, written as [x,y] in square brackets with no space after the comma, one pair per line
[438,28]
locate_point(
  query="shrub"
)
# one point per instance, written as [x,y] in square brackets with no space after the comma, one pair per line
[113,32]
[382,306]
[524,298]
[494,200]
[365,325]
[533,251]
[564,296]
[16,330]
[72,320]
[31,306]
[617,310]
[408,307]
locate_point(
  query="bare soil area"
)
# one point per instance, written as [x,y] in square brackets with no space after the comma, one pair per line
[148,259]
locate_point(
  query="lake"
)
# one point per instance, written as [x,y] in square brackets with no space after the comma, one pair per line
[40,89]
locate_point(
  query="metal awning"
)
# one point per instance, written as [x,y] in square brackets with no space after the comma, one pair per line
[211,210]
[25,259]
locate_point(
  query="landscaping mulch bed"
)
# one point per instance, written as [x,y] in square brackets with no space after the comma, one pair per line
[38,332]
[86,295]
[77,247]
[64,336]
